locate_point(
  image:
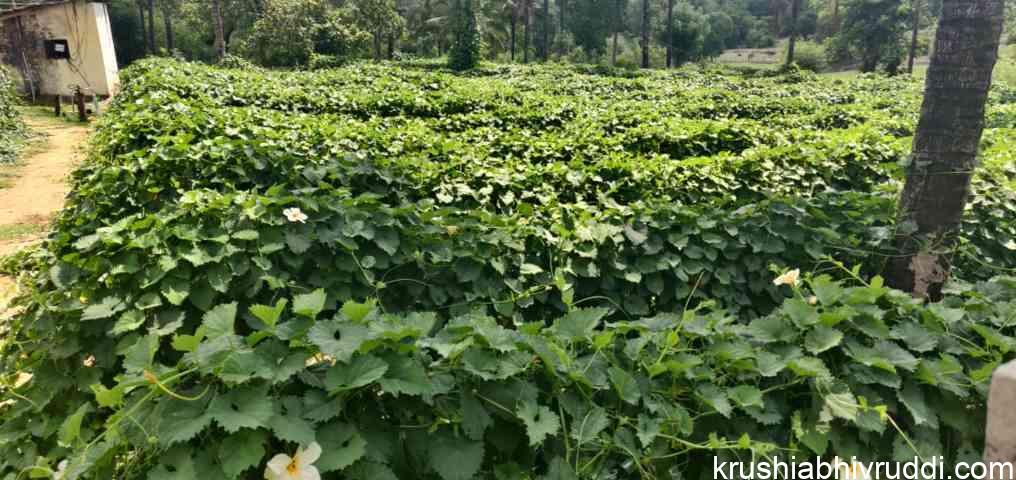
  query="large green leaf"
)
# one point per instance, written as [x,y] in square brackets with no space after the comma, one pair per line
[822,338]
[455,458]
[341,446]
[540,421]
[309,304]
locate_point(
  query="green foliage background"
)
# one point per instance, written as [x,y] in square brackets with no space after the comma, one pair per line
[12,130]
[518,273]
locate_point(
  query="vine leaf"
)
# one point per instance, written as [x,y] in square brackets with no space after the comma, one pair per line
[475,419]
[182,421]
[592,423]
[241,451]
[176,464]
[540,421]
[712,396]
[108,307]
[456,458]
[220,320]
[338,339]
[288,422]
[309,304]
[822,338]
[362,370]
[341,446]
[269,315]
[247,407]
[580,323]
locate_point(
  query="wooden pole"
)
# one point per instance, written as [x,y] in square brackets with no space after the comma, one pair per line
[79,99]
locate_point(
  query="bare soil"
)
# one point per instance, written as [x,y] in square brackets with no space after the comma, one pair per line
[38,191]
[35,189]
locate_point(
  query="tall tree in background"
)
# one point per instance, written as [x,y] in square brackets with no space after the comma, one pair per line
[945,144]
[526,14]
[151,27]
[514,5]
[465,48]
[795,12]
[562,6]
[618,26]
[670,33]
[778,8]
[915,7]
[546,30]
[688,34]
[381,19]
[168,11]
[144,30]
[589,26]
[836,17]
[644,42]
[220,31]
[875,30]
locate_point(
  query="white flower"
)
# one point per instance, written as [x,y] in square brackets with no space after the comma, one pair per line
[789,278]
[297,467]
[295,215]
[61,470]
[812,300]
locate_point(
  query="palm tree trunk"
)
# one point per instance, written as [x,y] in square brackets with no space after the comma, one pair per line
[795,7]
[645,34]
[220,31]
[945,144]
[670,33]
[915,6]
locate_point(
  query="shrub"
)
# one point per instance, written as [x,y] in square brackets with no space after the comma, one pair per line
[237,63]
[809,56]
[309,27]
[838,52]
[12,131]
[322,62]
[856,370]
[1005,69]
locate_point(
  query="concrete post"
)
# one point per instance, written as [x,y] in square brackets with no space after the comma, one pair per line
[1000,436]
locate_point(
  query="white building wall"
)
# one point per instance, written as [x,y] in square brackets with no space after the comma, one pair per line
[92,64]
[106,48]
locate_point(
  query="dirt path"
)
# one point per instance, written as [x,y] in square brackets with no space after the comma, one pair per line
[35,192]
